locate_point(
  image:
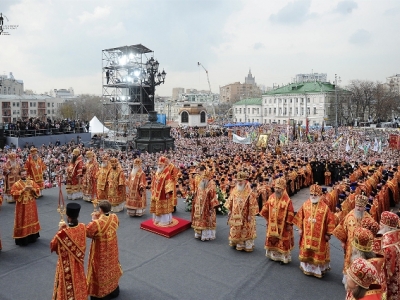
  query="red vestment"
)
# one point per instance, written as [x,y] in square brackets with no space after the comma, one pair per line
[26,220]
[104,270]
[391,251]
[279,213]
[74,171]
[136,195]
[70,281]
[161,185]
[36,169]
[344,232]
[243,207]
[315,221]
[203,208]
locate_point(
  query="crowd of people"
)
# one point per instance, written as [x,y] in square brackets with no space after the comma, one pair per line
[352,192]
[21,128]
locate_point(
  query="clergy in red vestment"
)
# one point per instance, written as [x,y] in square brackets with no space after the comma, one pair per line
[204,219]
[278,212]
[11,172]
[359,283]
[104,270]
[35,168]
[116,186]
[243,207]
[89,179]
[70,244]
[101,184]
[26,222]
[391,251]
[363,248]
[316,224]
[136,193]
[74,176]
[162,187]
[344,232]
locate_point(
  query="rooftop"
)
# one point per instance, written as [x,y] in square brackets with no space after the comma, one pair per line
[303,87]
[249,101]
[25,97]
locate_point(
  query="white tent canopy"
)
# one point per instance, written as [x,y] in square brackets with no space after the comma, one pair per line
[96,127]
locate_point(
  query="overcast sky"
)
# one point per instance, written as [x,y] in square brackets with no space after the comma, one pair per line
[58,44]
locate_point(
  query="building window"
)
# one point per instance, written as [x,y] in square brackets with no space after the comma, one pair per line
[315,110]
[265,111]
[284,111]
[269,110]
[290,111]
[30,104]
[48,111]
[202,117]
[308,111]
[302,111]
[48,104]
[297,111]
[17,104]
[13,103]
[274,111]
[240,110]
[184,117]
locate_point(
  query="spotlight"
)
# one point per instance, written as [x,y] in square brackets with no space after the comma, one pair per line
[122,60]
[136,72]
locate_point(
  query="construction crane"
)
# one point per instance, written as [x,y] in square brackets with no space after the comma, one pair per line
[209,86]
[208,79]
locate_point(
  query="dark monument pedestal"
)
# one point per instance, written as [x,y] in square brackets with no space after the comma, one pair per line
[153,136]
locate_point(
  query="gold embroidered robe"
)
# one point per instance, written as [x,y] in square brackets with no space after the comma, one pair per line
[101,183]
[26,220]
[89,179]
[70,281]
[243,208]
[278,213]
[161,185]
[203,207]
[136,195]
[104,269]
[36,169]
[315,221]
[116,189]
[344,232]
[74,171]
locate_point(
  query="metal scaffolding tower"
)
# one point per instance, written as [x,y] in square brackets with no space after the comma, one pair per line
[127,98]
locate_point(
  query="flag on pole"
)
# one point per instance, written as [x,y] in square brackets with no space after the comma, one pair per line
[348,146]
[366,147]
[376,146]
[338,140]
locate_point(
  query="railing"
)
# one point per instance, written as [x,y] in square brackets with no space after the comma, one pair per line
[40,132]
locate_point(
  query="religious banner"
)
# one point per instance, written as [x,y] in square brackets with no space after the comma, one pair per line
[241,140]
[262,141]
[394,141]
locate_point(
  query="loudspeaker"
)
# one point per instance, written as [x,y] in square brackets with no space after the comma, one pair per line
[140,100]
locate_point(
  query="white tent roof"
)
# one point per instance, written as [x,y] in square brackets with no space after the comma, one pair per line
[97,127]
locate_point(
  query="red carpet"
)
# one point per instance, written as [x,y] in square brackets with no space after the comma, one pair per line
[179,225]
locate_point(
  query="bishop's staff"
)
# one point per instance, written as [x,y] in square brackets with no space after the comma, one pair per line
[61,204]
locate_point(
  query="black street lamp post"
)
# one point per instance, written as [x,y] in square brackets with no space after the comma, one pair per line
[153,77]
[153,136]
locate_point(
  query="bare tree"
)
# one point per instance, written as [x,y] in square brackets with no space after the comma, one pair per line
[84,108]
